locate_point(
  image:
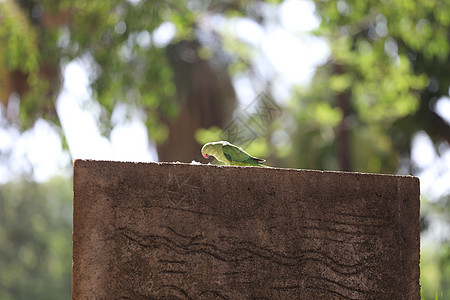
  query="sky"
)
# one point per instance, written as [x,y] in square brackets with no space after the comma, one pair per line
[290,55]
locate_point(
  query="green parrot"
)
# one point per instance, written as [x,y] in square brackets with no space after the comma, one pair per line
[229,154]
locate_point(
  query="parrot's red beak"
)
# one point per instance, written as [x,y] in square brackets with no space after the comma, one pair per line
[205,155]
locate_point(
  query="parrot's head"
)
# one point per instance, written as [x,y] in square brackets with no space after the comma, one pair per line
[206,150]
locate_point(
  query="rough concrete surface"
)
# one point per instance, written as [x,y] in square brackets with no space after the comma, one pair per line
[180,231]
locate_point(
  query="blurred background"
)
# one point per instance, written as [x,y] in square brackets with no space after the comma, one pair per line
[330,85]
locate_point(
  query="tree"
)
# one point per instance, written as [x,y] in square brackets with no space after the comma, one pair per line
[378,90]
[35,239]
[176,85]
[375,79]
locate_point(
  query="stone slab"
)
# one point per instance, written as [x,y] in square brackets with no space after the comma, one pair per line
[181,231]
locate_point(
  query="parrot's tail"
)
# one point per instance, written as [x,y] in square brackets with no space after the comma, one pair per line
[264,166]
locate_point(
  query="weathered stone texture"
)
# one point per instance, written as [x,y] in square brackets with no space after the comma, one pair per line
[180,231]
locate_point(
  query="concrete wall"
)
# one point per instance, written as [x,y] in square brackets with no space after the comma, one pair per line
[180,231]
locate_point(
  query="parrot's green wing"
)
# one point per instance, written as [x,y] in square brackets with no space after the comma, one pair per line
[236,154]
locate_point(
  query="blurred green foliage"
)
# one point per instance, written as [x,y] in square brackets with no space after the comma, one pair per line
[17,52]
[387,68]
[36,239]
[204,136]
[435,269]
[384,55]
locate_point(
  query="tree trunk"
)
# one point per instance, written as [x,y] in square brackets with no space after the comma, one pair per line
[205,96]
[343,130]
